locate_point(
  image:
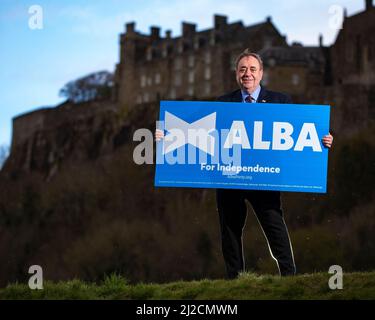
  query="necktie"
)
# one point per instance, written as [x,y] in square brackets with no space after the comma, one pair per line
[249,99]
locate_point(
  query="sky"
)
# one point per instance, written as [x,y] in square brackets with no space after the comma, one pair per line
[82,36]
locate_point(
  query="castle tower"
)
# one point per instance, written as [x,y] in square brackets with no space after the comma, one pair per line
[194,65]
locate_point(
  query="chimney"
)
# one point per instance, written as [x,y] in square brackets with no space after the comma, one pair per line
[168,34]
[269,19]
[220,21]
[130,27]
[320,40]
[155,33]
[368,4]
[188,29]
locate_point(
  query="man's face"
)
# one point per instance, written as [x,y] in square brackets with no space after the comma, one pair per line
[249,74]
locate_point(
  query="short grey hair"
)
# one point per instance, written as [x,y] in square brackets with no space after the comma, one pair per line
[249,53]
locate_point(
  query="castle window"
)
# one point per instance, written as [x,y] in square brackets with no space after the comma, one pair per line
[191,91]
[172,94]
[177,79]
[149,54]
[295,79]
[267,43]
[196,43]
[146,97]
[212,39]
[207,73]
[143,81]
[271,62]
[265,79]
[149,81]
[207,57]
[207,89]
[191,77]
[165,52]
[178,64]
[157,78]
[191,61]
[181,47]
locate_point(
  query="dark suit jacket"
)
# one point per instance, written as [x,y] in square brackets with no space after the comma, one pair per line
[265,96]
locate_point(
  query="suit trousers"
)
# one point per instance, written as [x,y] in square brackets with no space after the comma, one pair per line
[267,207]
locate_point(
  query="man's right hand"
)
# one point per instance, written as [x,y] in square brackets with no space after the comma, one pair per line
[159,134]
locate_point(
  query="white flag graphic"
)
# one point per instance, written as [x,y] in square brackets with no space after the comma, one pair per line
[196,133]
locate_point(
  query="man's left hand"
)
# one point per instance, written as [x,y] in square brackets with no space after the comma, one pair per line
[327,140]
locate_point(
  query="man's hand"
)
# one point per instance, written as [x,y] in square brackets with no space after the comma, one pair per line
[159,134]
[327,140]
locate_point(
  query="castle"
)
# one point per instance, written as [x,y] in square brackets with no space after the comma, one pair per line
[200,65]
[196,65]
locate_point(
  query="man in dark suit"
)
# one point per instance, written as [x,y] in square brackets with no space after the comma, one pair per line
[266,204]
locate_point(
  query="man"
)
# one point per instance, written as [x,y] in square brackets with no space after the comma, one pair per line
[266,204]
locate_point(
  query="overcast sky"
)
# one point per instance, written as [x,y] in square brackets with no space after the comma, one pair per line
[79,37]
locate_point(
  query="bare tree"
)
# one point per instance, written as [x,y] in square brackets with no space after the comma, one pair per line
[95,86]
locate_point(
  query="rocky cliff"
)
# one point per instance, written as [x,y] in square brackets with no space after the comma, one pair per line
[47,138]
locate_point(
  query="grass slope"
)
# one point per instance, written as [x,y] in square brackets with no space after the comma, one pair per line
[247,286]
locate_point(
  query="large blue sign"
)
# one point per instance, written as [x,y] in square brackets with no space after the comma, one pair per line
[258,146]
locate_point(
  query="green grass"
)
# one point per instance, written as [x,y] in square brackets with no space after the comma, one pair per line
[247,286]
